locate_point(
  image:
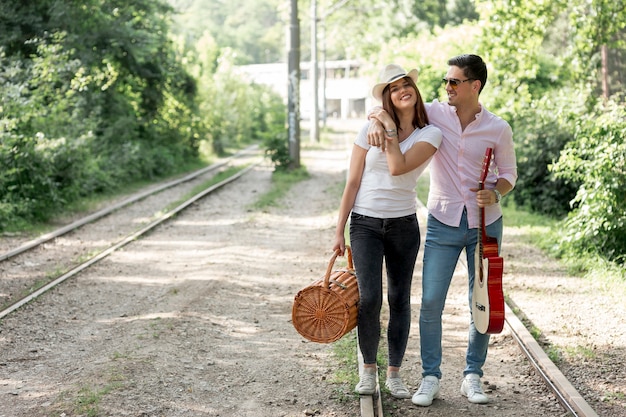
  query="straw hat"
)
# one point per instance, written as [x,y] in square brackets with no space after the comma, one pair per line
[389,74]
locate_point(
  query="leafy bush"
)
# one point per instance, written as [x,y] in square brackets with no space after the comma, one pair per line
[541,130]
[44,133]
[277,149]
[596,159]
[235,111]
[271,121]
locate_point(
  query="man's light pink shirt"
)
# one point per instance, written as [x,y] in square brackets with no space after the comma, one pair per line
[457,165]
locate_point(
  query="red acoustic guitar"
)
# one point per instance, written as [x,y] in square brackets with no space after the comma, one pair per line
[487,297]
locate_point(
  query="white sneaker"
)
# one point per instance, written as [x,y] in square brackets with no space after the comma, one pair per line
[472,390]
[367,382]
[429,390]
[396,387]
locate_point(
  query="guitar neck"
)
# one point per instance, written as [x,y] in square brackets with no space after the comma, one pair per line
[483,228]
[481,186]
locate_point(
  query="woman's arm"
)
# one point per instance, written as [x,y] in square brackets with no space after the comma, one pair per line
[353,183]
[400,163]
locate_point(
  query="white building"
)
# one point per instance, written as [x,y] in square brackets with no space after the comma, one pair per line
[342,92]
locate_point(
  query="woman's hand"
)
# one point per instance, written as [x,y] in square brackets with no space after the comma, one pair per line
[376,112]
[340,244]
[376,134]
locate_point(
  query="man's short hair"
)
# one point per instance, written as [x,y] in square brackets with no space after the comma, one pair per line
[473,67]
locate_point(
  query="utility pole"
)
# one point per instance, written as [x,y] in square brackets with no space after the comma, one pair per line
[314,133]
[315,137]
[293,90]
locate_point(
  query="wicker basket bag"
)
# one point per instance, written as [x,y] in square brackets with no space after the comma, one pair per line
[327,309]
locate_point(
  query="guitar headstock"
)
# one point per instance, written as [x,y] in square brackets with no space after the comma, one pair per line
[486,163]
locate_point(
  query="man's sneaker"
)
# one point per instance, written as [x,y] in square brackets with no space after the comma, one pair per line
[472,390]
[396,387]
[429,390]
[367,382]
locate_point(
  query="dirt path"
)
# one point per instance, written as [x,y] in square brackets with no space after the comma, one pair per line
[194,320]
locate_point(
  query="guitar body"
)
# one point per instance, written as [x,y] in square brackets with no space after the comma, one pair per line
[487,294]
[488,298]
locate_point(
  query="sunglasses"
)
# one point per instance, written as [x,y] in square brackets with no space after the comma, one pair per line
[454,83]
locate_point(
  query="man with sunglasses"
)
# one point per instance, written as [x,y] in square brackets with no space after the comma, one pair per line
[468,128]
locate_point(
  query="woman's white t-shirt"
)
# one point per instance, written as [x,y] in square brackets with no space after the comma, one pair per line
[381,194]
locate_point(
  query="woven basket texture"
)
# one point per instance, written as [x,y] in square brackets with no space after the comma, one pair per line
[326,310]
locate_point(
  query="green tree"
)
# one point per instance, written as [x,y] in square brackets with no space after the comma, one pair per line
[251,28]
[98,97]
[513,35]
[596,24]
[364,28]
[547,77]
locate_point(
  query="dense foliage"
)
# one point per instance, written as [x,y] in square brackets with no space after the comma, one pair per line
[253,29]
[596,159]
[556,74]
[99,94]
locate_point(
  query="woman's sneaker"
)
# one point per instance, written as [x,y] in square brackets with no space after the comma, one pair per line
[367,382]
[396,387]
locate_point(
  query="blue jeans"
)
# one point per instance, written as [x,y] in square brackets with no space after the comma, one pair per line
[397,241]
[442,249]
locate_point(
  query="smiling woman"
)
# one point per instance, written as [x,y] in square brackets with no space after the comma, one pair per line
[379,198]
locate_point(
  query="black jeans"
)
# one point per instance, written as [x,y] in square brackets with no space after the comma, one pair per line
[397,241]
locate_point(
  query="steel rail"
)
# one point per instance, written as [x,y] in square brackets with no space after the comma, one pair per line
[103,254]
[108,210]
[565,392]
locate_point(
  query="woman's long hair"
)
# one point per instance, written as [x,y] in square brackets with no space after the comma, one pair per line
[420,118]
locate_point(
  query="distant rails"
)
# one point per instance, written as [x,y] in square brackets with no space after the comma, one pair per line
[129,237]
[108,210]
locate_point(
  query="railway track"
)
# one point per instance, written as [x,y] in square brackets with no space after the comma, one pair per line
[121,230]
[47,237]
[370,406]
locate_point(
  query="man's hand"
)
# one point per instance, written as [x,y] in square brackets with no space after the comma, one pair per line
[381,129]
[484,198]
[375,112]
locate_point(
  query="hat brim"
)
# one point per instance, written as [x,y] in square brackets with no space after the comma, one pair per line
[377,90]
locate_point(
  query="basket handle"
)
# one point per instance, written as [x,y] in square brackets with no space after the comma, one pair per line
[332,262]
